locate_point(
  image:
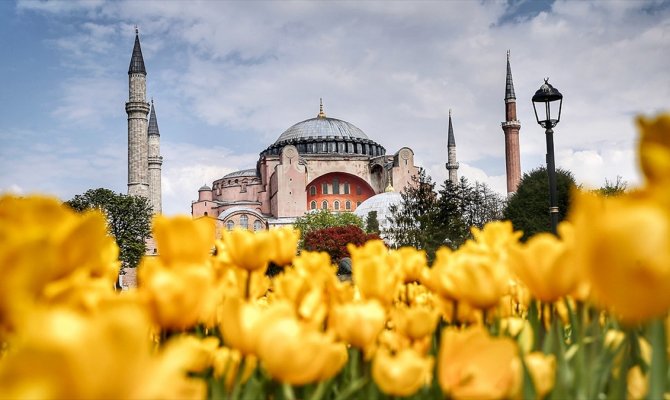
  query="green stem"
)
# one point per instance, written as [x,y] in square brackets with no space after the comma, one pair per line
[659,362]
[287,391]
[320,390]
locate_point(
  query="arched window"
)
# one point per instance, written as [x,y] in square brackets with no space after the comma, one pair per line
[347,205]
[230,225]
[312,190]
[312,205]
[336,186]
[324,188]
[324,205]
[336,205]
[258,225]
[244,222]
[346,187]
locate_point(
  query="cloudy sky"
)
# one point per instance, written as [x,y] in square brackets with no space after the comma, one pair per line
[228,78]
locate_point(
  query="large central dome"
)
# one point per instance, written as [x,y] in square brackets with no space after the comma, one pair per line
[323,135]
[322,127]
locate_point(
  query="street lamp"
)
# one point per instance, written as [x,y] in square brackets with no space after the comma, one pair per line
[550,102]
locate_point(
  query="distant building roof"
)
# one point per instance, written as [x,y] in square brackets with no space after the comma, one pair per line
[243,173]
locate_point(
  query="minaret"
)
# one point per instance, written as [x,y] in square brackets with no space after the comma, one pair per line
[137,109]
[452,165]
[511,128]
[155,162]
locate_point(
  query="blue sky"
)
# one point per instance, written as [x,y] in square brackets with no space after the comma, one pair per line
[228,78]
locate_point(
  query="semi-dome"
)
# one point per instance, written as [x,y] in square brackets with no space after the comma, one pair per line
[324,135]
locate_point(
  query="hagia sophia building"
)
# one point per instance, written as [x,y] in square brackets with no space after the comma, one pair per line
[319,163]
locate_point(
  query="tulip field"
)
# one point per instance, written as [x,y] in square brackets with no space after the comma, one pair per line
[580,315]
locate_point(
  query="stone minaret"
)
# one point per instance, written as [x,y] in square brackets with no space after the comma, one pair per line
[137,109]
[155,162]
[511,128]
[452,165]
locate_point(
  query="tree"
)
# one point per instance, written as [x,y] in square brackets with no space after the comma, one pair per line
[372,223]
[324,219]
[528,208]
[613,189]
[334,240]
[480,204]
[466,205]
[416,220]
[128,220]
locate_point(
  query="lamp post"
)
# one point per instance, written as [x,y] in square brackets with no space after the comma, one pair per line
[550,102]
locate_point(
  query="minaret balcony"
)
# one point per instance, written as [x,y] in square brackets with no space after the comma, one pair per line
[511,124]
[452,165]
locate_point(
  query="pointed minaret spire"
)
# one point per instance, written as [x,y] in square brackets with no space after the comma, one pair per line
[511,127]
[155,162]
[153,124]
[509,86]
[137,61]
[452,165]
[321,113]
[451,141]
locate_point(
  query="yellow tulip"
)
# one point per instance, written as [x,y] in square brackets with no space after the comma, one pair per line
[359,323]
[182,240]
[50,254]
[495,238]
[542,369]
[297,354]
[241,322]
[637,384]
[402,373]
[415,322]
[227,362]
[285,245]
[61,352]
[519,329]
[654,149]
[473,365]
[478,279]
[248,250]
[374,271]
[624,248]
[178,297]
[545,264]
[412,263]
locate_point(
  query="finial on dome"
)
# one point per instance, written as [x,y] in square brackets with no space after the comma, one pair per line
[137,31]
[388,188]
[321,113]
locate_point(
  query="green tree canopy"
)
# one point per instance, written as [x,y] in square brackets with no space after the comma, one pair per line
[528,208]
[325,219]
[128,220]
[427,219]
[372,223]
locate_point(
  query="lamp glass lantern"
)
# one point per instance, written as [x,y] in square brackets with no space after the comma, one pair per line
[550,101]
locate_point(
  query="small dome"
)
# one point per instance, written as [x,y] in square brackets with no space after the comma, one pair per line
[322,127]
[381,203]
[204,187]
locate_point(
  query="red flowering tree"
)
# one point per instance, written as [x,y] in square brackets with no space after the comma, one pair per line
[334,240]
